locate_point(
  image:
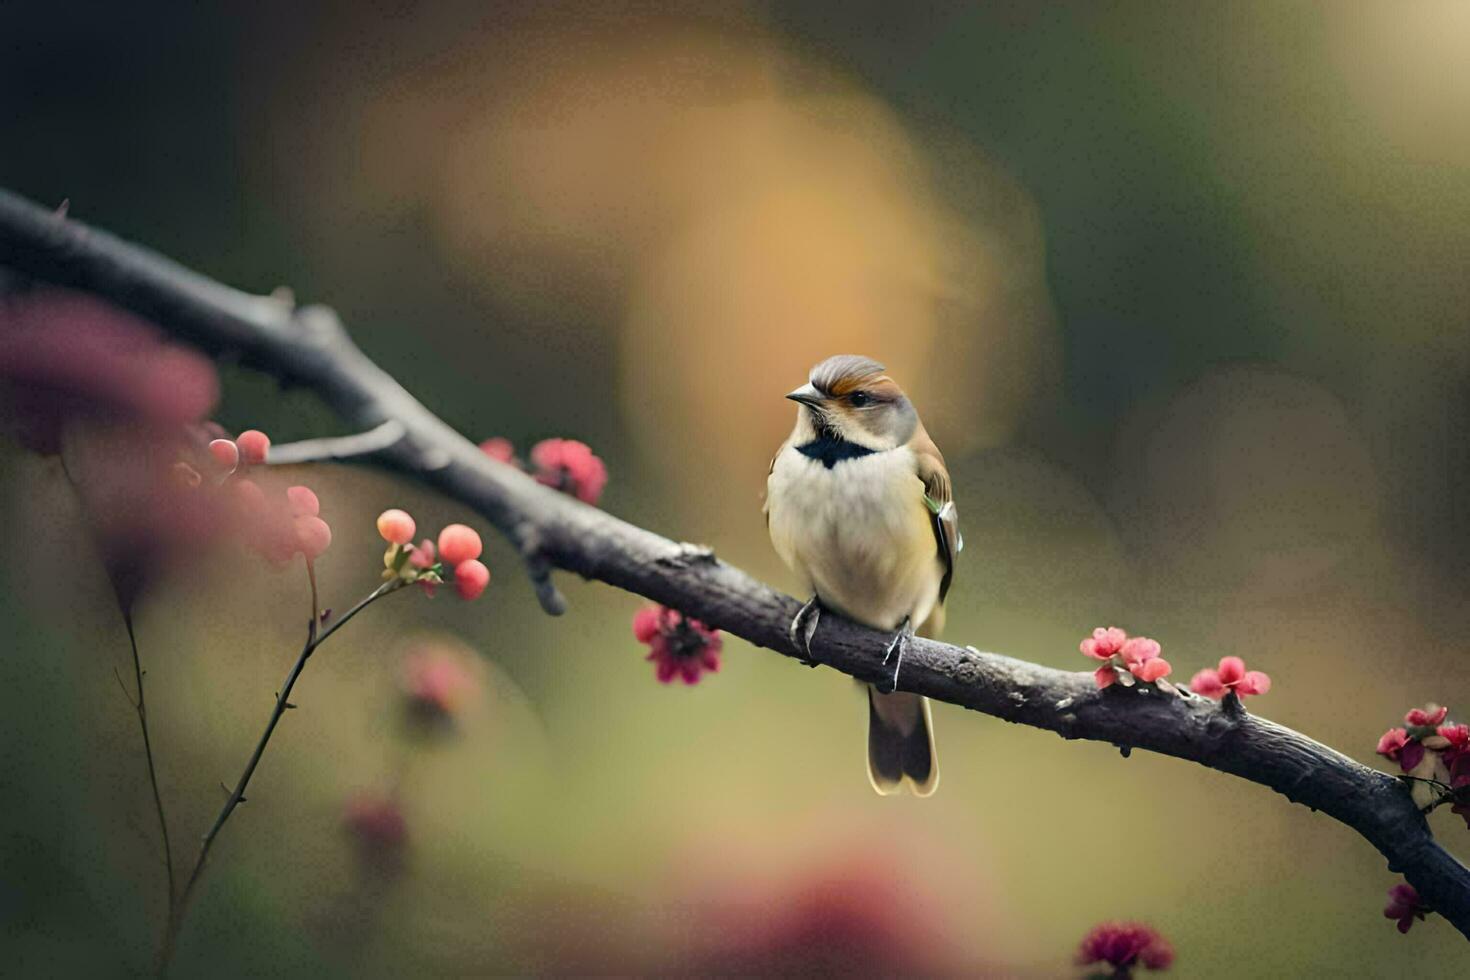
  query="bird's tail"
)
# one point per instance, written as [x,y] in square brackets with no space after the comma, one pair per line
[901,743]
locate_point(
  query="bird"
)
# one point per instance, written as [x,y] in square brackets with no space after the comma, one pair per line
[860,507]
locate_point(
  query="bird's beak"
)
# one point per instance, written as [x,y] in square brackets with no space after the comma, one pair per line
[808,396]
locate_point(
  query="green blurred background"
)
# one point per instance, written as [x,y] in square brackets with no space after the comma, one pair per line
[1181,289]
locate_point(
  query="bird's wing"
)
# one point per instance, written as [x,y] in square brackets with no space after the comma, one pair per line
[766,499]
[939,498]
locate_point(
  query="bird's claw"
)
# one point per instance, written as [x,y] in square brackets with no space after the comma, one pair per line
[804,627]
[895,651]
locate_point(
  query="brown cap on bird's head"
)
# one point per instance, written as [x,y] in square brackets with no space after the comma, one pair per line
[841,374]
[850,396]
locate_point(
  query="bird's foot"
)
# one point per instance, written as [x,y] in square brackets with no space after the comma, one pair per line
[895,651]
[804,627]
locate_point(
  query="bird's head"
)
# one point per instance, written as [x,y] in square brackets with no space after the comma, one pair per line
[849,397]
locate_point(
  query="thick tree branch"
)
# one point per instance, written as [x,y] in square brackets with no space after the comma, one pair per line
[308,347]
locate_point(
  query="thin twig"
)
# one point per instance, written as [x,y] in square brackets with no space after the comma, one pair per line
[139,704]
[142,708]
[359,446]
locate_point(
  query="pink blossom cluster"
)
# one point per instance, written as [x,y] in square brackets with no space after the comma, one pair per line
[277,528]
[1432,748]
[563,464]
[458,549]
[1125,945]
[677,645]
[1129,659]
[1124,658]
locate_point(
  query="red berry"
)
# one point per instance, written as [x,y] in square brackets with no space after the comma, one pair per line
[470,578]
[396,526]
[458,543]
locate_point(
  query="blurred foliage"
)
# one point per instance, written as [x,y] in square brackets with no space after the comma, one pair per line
[1180,289]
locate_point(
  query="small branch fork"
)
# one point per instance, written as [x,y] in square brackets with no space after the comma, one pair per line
[308,347]
[314,639]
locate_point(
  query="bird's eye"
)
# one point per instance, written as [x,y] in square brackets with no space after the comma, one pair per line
[858,399]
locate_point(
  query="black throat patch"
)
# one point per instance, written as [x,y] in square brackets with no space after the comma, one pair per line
[829,450]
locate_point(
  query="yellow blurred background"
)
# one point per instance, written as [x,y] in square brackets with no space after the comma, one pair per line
[1180,290]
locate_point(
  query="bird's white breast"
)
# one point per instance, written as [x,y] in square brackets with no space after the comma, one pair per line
[859,533]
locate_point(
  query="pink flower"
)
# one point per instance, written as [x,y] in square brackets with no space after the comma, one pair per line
[471,577]
[424,555]
[1458,737]
[458,543]
[1123,945]
[678,646]
[1398,746]
[499,449]
[571,467]
[396,526]
[1230,676]
[1104,643]
[437,683]
[66,356]
[1404,904]
[1139,655]
[1426,717]
[254,446]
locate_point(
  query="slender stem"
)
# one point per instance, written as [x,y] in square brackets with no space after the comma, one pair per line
[142,708]
[237,795]
[140,705]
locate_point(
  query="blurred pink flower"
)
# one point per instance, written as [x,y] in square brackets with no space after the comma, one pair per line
[1230,676]
[499,449]
[437,683]
[1124,945]
[678,646]
[376,824]
[66,356]
[1405,906]
[833,921]
[571,467]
